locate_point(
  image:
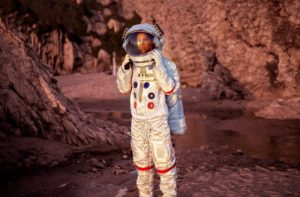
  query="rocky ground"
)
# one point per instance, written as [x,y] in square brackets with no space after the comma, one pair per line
[227,151]
[201,172]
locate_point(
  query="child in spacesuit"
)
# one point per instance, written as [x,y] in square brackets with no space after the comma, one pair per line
[153,84]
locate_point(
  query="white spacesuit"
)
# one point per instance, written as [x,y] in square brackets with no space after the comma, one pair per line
[156,106]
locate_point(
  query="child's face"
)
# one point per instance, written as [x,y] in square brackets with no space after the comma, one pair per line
[144,42]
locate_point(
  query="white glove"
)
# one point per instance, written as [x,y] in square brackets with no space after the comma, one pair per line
[165,81]
[127,63]
[157,57]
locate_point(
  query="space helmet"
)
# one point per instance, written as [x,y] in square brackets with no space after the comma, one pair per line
[130,38]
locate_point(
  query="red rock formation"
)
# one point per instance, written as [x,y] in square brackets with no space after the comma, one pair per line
[83,42]
[231,48]
[32,104]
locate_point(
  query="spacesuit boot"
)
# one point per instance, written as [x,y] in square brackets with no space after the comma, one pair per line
[144,182]
[168,183]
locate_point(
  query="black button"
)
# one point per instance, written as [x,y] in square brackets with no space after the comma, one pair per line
[151,95]
[135,84]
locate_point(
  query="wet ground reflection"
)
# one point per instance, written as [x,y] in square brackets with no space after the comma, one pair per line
[256,137]
[271,139]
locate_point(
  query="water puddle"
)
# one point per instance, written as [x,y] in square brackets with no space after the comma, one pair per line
[261,138]
[256,137]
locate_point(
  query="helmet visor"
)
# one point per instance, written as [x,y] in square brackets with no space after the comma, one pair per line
[139,43]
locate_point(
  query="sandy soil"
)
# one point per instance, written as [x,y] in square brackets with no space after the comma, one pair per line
[227,151]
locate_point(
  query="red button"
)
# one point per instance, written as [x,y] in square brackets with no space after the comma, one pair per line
[150,105]
[134,104]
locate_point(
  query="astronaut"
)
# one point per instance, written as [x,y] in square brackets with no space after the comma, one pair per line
[156,107]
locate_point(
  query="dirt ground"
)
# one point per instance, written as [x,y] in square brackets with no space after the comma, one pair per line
[227,151]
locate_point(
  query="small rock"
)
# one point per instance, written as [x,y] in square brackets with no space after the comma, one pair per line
[114,24]
[203,148]
[106,12]
[99,28]
[63,185]
[94,160]
[119,170]
[238,152]
[98,164]
[272,168]
[54,163]
[122,192]
[104,162]
[259,168]
[96,43]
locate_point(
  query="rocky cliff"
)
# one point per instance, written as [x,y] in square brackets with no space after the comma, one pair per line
[33,105]
[233,49]
[68,35]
